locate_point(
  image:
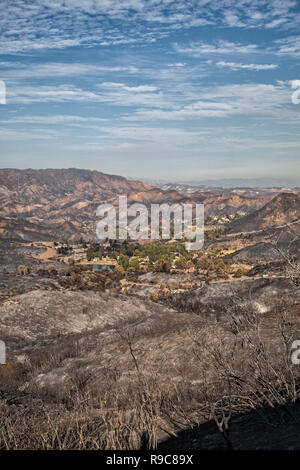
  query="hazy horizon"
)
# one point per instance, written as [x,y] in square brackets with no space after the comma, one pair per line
[222,182]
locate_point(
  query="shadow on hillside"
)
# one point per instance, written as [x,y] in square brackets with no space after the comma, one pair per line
[264,429]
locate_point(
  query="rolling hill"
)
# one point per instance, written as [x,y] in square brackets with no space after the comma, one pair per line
[51,203]
[283,209]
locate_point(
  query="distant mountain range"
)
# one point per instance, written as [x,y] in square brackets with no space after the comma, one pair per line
[41,204]
[230,182]
[54,203]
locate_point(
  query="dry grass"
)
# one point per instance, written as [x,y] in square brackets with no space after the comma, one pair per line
[139,408]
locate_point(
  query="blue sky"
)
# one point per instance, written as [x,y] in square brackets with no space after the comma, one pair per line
[176,90]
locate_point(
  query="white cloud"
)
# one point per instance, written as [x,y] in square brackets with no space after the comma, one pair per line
[66,23]
[54,119]
[197,49]
[115,93]
[236,66]
[44,94]
[275,23]
[177,64]
[134,89]
[16,135]
[63,69]
[232,19]
[126,137]
[288,46]
[228,100]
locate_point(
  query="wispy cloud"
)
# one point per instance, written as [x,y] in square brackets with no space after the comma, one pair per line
[225,101]
[289,46]
[62,69]
[108,92]
[54,119]
[177,64]
[46,24]
[44,94]
[256,67]
[134,89]
[197,49]
[15,135]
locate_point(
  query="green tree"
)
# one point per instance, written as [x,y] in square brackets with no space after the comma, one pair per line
[134,263]
[89,254]
[238,273]
[114,255]
[124,261]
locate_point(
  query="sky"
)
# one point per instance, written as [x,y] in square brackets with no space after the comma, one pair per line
[183,90]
